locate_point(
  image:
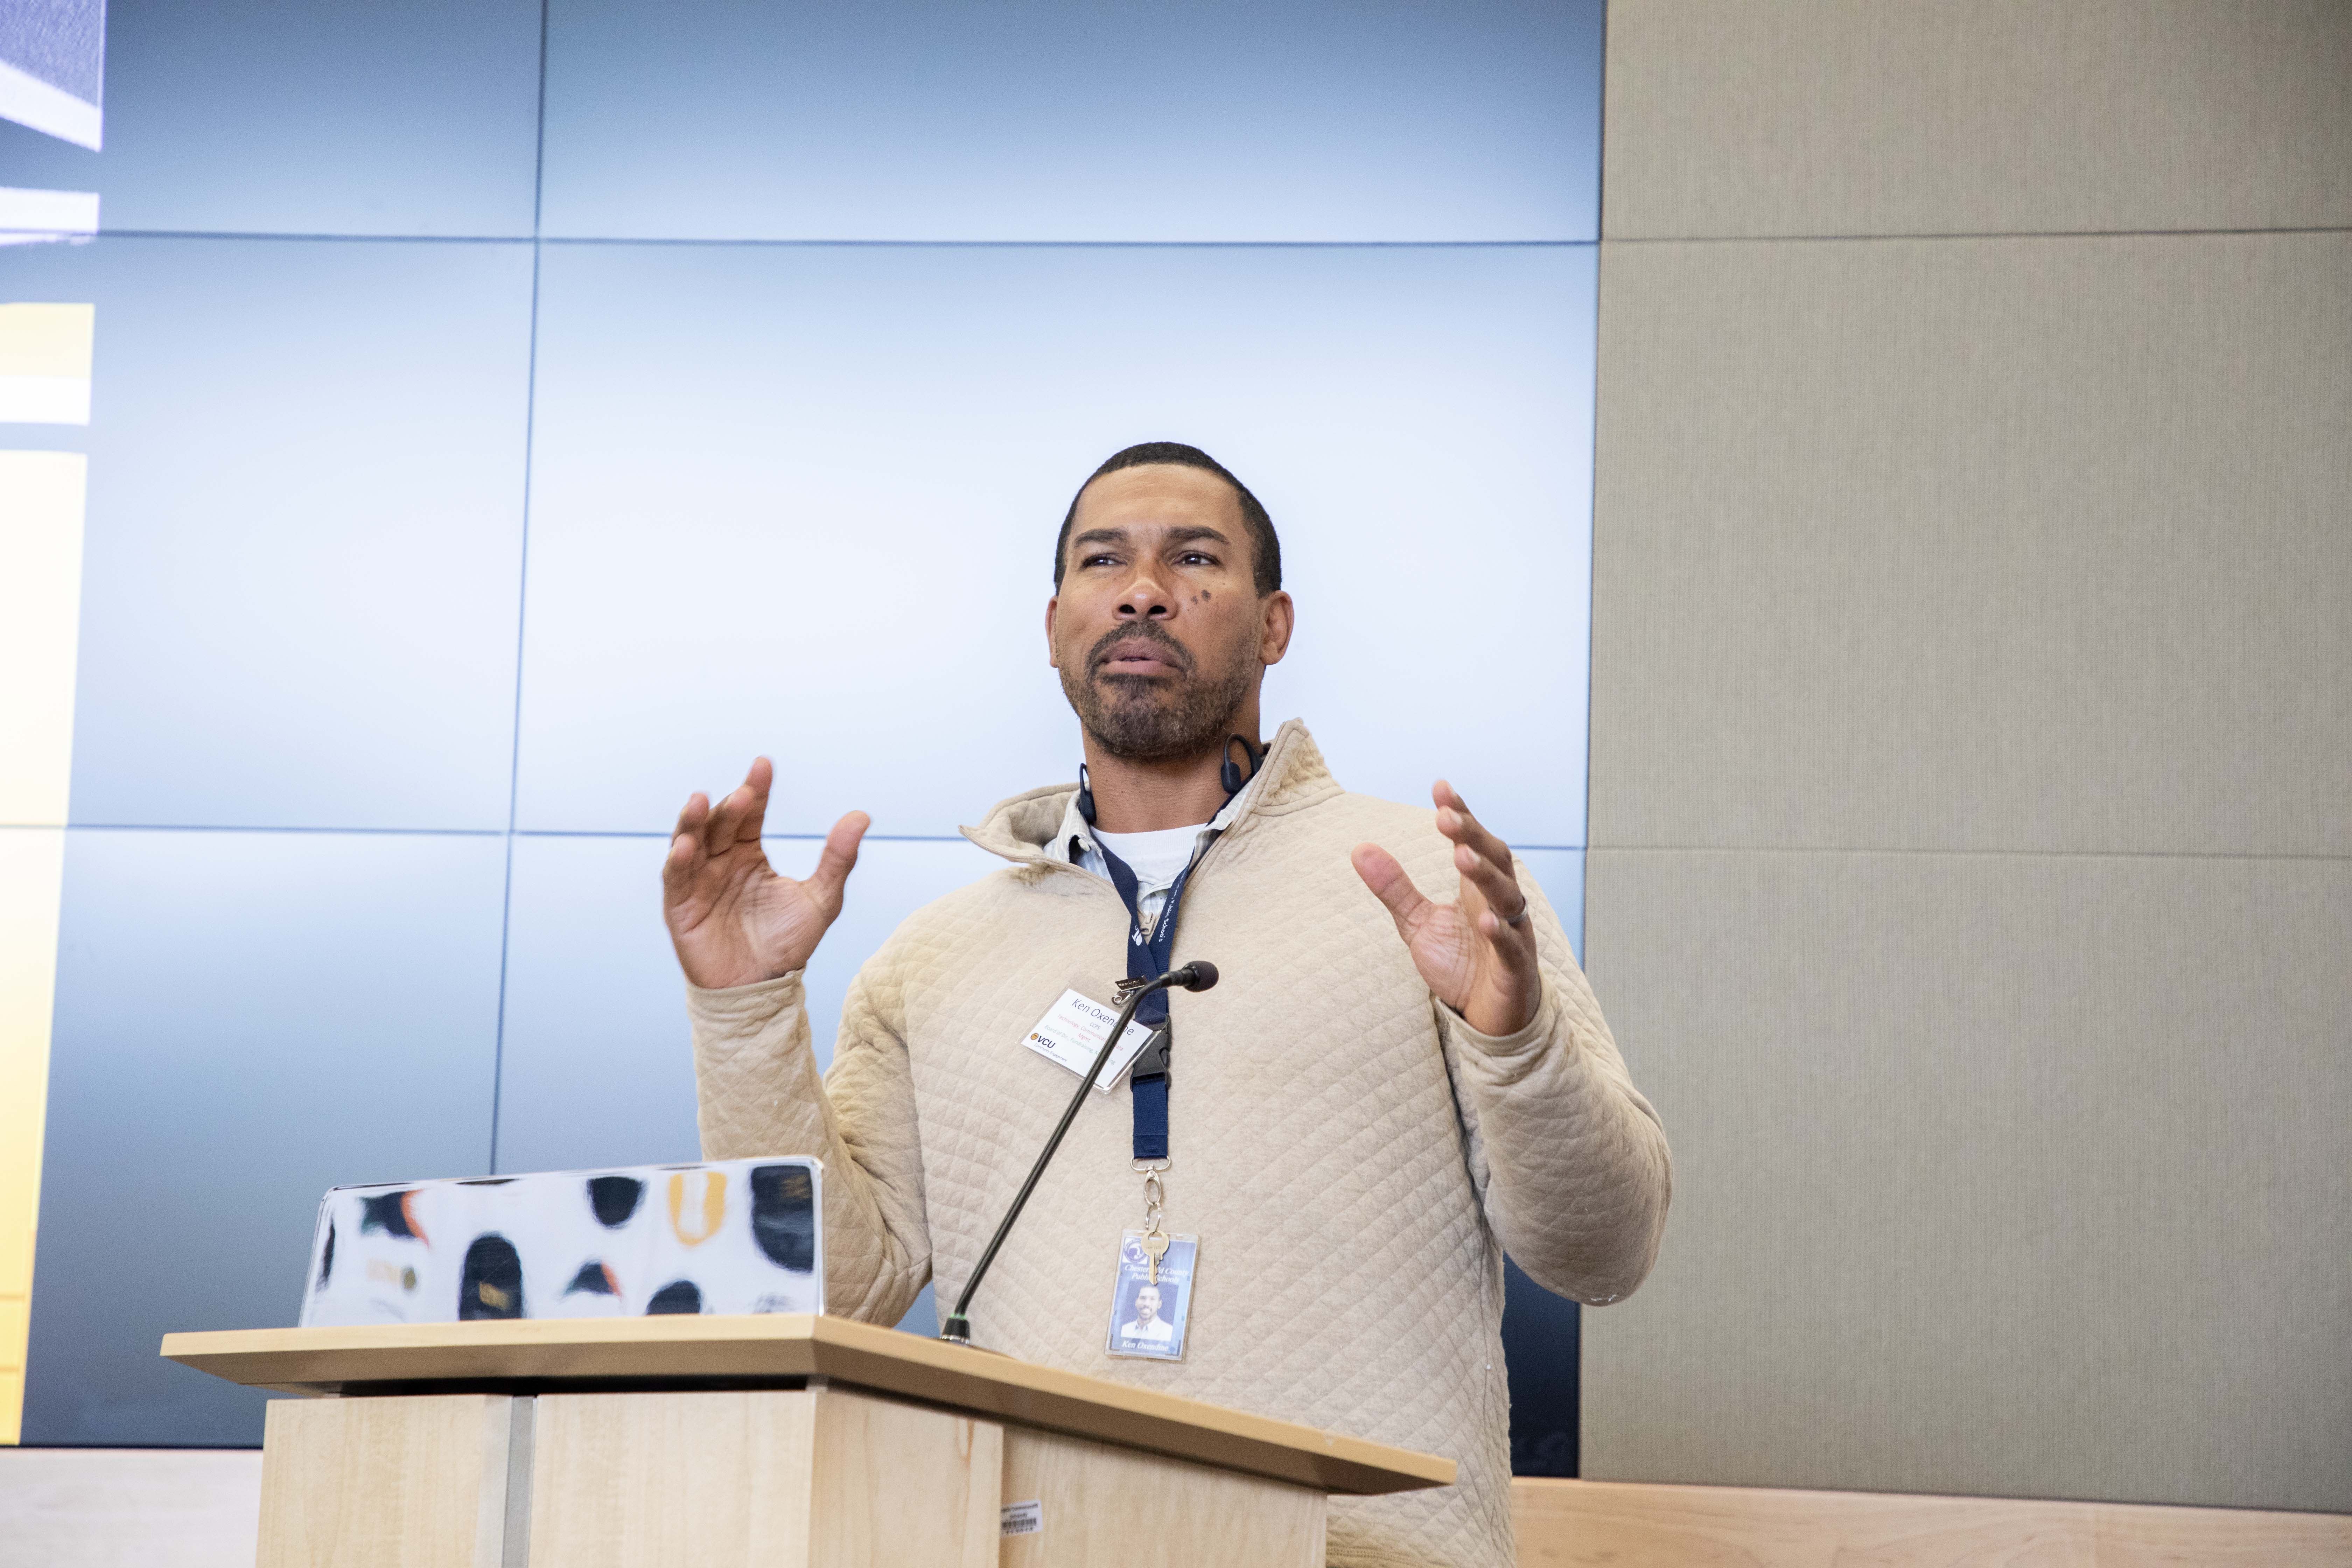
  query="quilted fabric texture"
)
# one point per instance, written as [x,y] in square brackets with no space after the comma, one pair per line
[1354,1158]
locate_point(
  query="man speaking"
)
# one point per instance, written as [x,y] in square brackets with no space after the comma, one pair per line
[1400,1077]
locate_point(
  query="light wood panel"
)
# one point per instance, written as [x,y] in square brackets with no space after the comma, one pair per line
[1910,117]
[542,1354]
[1103,1507]
[659,1479]
[408,1482]
[1590,1524]
[765,1478]
[899,1483]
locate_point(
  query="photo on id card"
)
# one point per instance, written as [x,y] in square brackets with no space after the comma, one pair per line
[1147,1319]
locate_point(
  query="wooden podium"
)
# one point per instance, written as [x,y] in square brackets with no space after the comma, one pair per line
[764,1442]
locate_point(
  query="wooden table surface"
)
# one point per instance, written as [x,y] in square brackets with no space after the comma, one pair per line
[561,1354]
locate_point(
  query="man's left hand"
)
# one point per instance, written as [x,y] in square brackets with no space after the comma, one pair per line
[1477,954]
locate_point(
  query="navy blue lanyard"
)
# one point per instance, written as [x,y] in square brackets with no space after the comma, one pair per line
[1152,954]
[1149,955]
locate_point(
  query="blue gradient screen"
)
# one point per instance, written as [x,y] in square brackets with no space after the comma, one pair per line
[506,419]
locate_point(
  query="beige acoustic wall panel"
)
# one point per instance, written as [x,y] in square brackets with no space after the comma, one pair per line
[2008,545]
[2000,1174]
[1925,117]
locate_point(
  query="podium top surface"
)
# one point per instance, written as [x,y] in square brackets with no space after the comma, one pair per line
[556,1355]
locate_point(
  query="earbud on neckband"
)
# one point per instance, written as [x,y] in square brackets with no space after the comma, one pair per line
[1230,774]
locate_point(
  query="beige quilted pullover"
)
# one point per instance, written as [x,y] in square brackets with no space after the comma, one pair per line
[1354,1158]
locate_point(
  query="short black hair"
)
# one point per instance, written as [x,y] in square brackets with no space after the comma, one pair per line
[1266,550]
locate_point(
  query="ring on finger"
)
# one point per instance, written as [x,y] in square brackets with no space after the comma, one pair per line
[1518,920]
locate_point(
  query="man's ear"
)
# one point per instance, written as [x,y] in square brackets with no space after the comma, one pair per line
[1278,619]
[1052,660]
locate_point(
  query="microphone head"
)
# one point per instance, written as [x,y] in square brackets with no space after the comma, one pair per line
[1201,974]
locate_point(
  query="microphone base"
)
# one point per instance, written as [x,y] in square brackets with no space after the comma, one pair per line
[956,1330]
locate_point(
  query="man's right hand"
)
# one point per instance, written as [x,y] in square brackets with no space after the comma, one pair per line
[734,921]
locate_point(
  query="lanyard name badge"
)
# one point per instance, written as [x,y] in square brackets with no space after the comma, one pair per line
[1151,1295]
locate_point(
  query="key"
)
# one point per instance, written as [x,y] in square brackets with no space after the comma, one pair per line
[1155,1244]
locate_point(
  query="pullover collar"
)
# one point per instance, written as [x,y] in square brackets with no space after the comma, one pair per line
[1027,828]
[1074,840]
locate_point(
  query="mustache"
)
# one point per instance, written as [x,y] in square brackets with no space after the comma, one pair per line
[1144,631]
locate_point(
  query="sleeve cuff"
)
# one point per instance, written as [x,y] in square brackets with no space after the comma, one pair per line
[740,1005]
[1525,1042]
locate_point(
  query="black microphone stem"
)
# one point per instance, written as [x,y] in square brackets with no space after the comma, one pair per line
[957,1328]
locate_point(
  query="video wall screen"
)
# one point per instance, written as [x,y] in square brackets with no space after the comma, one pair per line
[436,438]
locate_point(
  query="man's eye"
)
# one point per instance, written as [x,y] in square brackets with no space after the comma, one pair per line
[1194,558]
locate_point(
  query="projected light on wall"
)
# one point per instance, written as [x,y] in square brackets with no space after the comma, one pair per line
[52,80]
[53,67]
[33,216]
[45,359]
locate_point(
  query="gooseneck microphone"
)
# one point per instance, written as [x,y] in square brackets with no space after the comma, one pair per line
[1197,976]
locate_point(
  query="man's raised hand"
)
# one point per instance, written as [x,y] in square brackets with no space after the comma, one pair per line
[732,919]
[1477,954]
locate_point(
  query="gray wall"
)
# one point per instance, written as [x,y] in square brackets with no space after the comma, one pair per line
[1970,867]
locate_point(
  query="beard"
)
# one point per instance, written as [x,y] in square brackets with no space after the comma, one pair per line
[1154,718]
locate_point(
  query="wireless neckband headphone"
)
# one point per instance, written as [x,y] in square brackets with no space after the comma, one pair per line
[1229,774]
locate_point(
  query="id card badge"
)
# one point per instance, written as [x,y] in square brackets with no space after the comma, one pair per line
[1072,1033]
[1147,1317]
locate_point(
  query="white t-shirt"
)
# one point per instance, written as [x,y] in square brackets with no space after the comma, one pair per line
[1157,858]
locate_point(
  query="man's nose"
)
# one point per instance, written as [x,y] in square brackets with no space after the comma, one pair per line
[1146,600]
